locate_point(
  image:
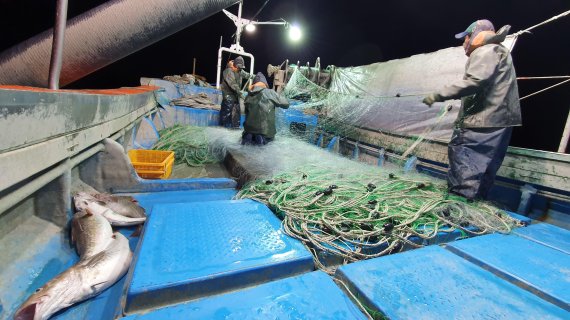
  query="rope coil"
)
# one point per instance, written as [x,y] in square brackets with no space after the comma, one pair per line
[368,214]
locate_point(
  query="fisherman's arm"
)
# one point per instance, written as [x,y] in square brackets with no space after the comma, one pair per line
[246,75]
[482,67]
[278,99]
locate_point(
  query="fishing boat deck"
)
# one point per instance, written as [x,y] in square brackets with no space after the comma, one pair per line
[181,270]
[203,255]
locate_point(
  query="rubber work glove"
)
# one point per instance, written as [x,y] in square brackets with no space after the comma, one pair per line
[432,98]
[243,94]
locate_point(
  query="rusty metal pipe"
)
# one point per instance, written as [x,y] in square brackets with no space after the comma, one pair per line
[102,36]
[57,44]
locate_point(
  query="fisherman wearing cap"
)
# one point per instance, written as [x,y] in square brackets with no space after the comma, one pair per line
[489,110]
[260,104]
[231,93]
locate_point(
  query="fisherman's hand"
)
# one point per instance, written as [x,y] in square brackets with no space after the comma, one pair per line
[243,94]
[432,98]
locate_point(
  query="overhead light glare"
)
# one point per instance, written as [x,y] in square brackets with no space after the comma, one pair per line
[250,27]
[295,33]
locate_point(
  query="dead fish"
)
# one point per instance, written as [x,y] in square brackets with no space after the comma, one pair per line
[84,280]
[91,233]
[83,201]
[124,205]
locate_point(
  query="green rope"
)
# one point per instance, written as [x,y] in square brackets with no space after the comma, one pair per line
[189,143]
[353,214]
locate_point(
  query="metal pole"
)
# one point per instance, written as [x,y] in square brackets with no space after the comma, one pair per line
[239,52]
[194,67]
[57,44]
[239,26]
[219,69]
[565,136]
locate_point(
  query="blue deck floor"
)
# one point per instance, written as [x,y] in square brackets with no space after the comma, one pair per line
[310,296]
[548,235]
[204,256]
[149,199]
[433,283]
[539,269]
[468,279]
[192,250]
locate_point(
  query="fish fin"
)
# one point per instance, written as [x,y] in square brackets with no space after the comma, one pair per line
[28,313]
[97,286]
[137,232]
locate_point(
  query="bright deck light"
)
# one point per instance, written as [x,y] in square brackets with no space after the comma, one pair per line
[295,33]
[250,27]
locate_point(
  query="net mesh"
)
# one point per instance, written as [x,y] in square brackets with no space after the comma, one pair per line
[333,204]
[357,211]
[190,145]
[344,112]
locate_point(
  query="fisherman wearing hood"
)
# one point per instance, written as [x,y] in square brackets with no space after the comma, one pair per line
[260,104]
[231,93]
[489,110]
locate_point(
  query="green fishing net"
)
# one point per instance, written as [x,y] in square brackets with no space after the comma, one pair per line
[190,145]
[360,214]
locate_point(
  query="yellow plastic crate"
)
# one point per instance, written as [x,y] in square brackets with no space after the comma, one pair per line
[152,164]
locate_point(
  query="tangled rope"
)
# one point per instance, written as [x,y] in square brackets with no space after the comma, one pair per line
[365,215]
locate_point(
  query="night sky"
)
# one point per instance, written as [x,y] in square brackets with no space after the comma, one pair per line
[342,33]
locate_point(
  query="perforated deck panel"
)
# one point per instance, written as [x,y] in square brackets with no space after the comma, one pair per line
[193,250]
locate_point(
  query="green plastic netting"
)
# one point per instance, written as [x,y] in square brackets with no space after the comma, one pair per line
[190,145]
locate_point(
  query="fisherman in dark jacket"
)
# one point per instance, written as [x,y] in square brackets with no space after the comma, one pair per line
[231,93]
[260,104]
[489,110]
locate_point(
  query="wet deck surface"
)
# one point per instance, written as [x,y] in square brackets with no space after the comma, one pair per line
[206,256]
[534,267]
[193,250]
[434,283]
[309,296]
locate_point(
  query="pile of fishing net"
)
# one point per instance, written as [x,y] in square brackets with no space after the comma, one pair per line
[188,79]
[361,214]
[191,145]
[198,101]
